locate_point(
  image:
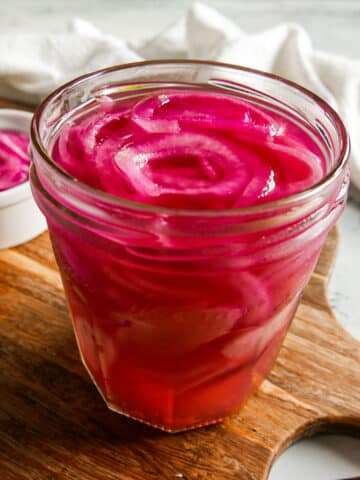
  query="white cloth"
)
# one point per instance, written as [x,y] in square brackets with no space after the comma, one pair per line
[31,65]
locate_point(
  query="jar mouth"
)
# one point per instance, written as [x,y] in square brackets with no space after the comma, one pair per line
[303,195]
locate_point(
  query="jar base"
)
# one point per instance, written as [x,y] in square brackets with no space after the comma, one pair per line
[114,408]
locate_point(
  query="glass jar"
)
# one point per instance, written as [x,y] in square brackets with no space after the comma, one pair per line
[179,314]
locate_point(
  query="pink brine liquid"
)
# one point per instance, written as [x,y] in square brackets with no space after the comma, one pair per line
[177,336]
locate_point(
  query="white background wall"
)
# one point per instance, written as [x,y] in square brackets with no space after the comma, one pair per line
[333,24]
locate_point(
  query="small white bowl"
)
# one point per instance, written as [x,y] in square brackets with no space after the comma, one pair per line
[20,218]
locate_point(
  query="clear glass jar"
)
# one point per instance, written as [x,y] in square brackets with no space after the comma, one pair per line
[179,314]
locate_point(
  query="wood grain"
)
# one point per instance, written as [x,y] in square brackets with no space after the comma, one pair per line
[55,426]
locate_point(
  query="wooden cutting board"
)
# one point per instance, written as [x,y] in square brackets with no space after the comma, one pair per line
[55,426]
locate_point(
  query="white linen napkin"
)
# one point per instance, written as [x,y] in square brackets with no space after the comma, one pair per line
[31,65]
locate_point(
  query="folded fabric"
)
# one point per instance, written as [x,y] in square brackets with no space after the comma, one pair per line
[31,65]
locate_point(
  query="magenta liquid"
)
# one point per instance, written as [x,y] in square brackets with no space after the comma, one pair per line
[178,329]
[14,158]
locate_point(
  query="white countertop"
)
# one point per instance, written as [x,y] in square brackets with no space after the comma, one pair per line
[334,25]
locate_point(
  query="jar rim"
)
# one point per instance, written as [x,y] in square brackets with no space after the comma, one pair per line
[157,209]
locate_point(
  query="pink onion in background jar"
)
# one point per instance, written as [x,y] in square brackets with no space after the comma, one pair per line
[187,203]
[14,158]
[20,218]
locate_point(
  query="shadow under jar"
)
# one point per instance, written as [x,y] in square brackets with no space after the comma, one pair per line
[179,313]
